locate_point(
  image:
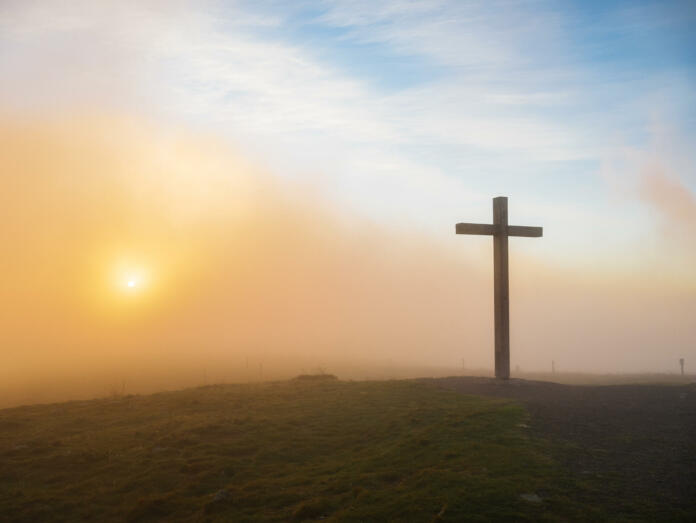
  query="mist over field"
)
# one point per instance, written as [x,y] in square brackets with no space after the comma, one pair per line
[347,260]
[239,275]
[196,192]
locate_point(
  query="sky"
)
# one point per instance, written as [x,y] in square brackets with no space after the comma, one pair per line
[375,126]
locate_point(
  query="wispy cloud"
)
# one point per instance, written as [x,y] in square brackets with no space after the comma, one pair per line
[515,98]
[675,203]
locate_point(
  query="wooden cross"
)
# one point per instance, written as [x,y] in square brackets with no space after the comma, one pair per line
[500,230]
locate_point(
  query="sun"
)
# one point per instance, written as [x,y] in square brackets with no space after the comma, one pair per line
[132,282]
[126,281]
[132,278]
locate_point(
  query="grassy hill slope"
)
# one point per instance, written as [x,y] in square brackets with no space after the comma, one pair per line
[348,451]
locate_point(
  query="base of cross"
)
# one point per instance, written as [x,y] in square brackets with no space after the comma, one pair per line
[500,230]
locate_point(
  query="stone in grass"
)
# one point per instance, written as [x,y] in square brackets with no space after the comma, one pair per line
[222,495]
[312,509]
[221,499]
[531,497]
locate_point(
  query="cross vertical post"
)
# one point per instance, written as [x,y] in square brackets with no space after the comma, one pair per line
[501,285]
[500,230]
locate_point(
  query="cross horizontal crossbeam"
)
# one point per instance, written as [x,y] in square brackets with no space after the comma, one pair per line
[487,229]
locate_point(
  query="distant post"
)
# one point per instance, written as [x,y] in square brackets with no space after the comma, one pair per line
[500,230]
[681,364]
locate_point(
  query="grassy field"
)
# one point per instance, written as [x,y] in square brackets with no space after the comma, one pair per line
[296,450]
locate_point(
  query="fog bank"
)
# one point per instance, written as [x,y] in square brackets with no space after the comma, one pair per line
[238,275]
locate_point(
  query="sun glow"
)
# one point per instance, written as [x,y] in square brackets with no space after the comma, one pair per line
[133,280]
[130,277]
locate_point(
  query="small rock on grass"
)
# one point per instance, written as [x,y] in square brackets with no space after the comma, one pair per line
[221,495]
[220,500]
[531,497]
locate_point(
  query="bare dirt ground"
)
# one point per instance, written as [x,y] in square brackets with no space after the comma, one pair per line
[629,443]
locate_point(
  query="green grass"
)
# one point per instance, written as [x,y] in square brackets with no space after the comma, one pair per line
[309,449]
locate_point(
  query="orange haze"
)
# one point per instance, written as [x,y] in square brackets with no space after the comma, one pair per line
[241,274]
